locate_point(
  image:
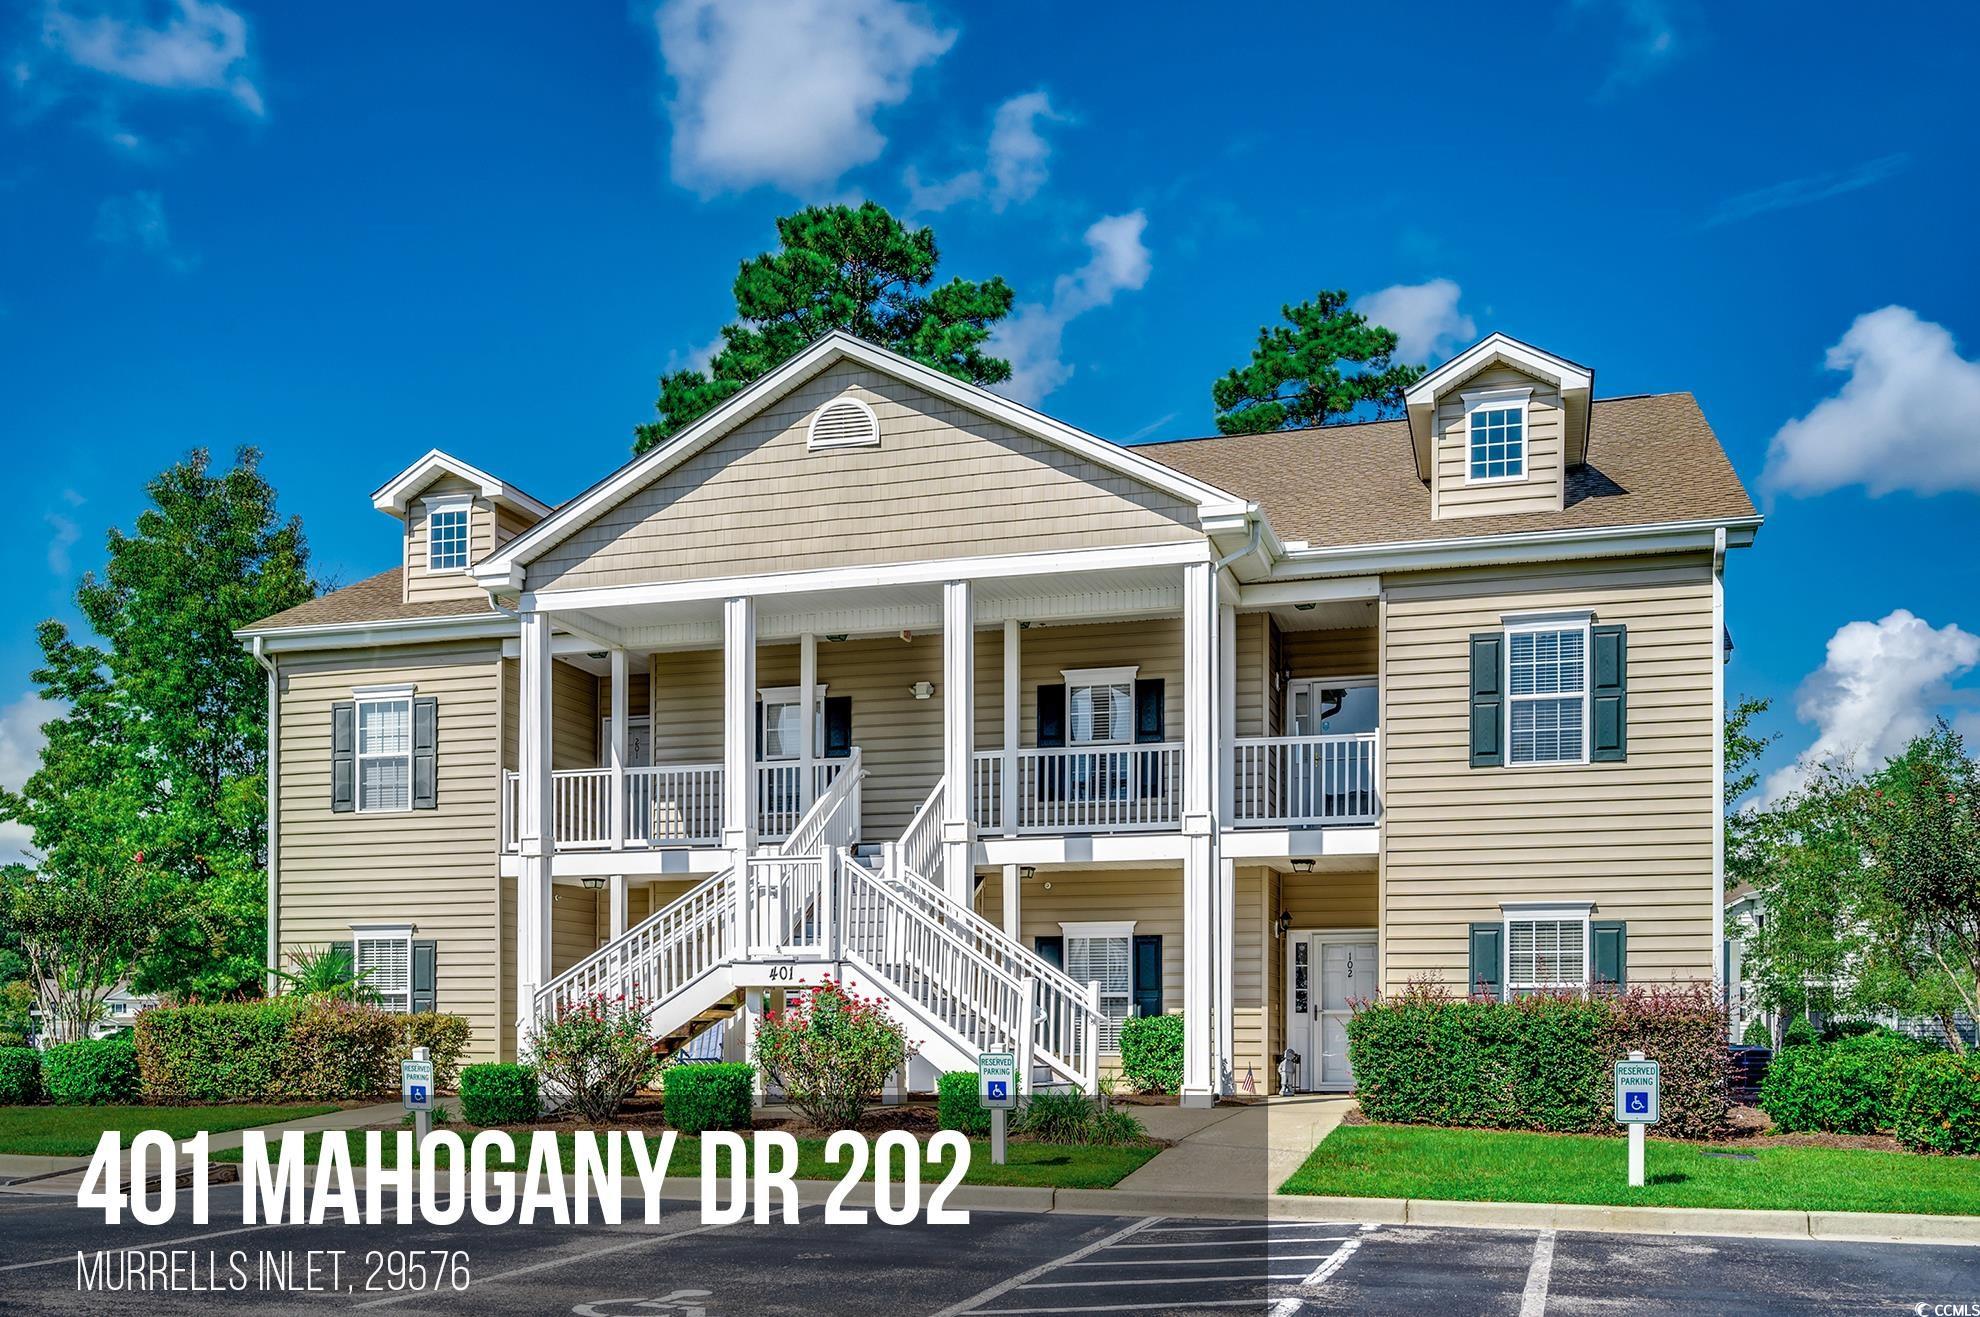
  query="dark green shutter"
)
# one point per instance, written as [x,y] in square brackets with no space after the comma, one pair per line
[1147,974]
[1150,711]
[426,754]
[1609,955]
[1488,961]
[425,957]
[1051,950]
[759,730]
[838,726]
[1051,716]
[1608,690]
[1488,699]
[343,756]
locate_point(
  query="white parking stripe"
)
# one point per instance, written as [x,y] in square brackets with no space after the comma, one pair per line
[1119,1307]
[1252,1225]
[1533,1303]
[1292,1303]
[1159,1280]
[70,1257]
[1006,1287]
[1263,1239]
[1202,1262]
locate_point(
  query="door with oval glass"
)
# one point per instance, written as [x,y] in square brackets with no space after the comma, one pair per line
[1326,973]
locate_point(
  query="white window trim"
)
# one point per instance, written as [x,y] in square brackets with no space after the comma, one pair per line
[1522,912]
[361,696]
[433,507]
[871,440]
[769,695]
[1115,676]
[1112,930]
[400,933]
[1579,620]
[1293,684]
[1512,399]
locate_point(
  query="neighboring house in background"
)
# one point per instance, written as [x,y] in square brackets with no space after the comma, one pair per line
[120,1011]
[874,674]
[1746,912]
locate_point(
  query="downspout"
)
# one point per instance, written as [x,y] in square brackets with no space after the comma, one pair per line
[1251,544]
[274,886]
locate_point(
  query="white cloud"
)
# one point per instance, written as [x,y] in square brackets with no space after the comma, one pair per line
[137,221]
[65,534]
[1015,167]
[1908,417]
[1030,338]
[1805,190]
[20,754]
[1649,42]
[785,92]
[1880,685]
[1425,317]
[695,358]
[201,47]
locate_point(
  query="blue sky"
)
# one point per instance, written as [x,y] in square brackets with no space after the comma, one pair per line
[350,233]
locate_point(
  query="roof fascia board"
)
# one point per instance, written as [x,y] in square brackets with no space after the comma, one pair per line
[397,631]
[498,570]
[1564,374]
[1531,546]
[853,578]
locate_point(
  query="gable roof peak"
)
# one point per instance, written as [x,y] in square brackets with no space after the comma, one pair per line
[1574,382]
[396,495]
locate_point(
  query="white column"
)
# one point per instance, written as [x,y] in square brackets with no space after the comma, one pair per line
[958,738]
[739,727]
[1013,694]
[616,748]
[807,716]
[535,816]
[1205,940]
[1226,712]
[620,897]
[1013,903]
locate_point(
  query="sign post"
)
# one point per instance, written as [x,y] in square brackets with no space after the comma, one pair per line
[996,1088]
[416,1091]
[1636,1107]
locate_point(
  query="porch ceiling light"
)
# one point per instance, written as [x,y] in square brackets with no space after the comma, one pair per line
[594,881]
[1026,872]
[1302,866]
[1306,607]
[837,638]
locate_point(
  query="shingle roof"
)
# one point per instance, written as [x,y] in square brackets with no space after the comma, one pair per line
[379,598]
[1651,459]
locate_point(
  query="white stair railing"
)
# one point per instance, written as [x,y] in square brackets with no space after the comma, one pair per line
[921,843]
[833,819]
[932,965]
[656,958]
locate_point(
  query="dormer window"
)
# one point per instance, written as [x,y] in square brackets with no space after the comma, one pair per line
[447,536]
[1495,426]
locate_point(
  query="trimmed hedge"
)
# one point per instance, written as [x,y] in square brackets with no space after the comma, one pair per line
[499,1095]
[20,1076]
[1542,1062]
[1843,1087]
[956,1107]
[710,1095]
[288,1048]
[91,1073]
[1936,1104]
[1152,1052]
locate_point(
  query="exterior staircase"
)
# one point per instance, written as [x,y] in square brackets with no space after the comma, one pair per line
[809,911]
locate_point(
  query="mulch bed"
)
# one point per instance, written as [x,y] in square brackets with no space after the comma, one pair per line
[1749,1130]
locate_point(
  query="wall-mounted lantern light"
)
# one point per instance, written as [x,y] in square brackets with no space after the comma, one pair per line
[921,690]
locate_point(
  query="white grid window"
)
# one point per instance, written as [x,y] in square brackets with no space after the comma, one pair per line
[1498,442]
[384,753]
[783,734]
[1547,694]
[1104,954]
[1100,706]
[447,538]
[383,964]
[1546,953]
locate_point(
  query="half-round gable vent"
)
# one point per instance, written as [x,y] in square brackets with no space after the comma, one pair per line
[844,423]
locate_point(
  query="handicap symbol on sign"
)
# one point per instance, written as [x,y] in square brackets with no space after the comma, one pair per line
[419,1092]
[999,1090]
[1636,1102]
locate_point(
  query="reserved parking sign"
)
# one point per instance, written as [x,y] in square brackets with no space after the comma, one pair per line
[1636,1092]
[996,1079]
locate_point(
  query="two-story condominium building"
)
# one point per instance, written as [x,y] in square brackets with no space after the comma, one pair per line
[874,674]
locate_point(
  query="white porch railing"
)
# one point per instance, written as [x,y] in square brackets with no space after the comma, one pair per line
[921,844]
[1303,781]
[1111,788]
[657,958]
[668,804]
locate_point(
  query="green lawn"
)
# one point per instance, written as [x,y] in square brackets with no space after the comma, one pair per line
[73,1131]
[1048,1165]
[1393,1161]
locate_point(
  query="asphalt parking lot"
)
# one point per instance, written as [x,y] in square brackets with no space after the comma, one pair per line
[1000,1265]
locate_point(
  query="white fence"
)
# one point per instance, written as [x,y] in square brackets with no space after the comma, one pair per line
[1299,781]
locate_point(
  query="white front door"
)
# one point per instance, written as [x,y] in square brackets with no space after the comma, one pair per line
[639,742]
[1326,974]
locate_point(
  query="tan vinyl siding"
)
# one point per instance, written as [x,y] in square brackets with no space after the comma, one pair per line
[1635,837]
[1251,943]
[1545,486]
[423,585]
[573,718]
[1336,652]
[1253,684]
[435,869]
[578,917]
[942,482]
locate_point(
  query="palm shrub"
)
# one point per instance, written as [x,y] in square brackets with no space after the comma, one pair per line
[327,971]
[831,1053]
[597,1052]
[1152,1052]
[1074,1117]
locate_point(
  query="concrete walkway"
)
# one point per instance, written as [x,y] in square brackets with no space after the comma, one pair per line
[1237,1149]
[50,1175]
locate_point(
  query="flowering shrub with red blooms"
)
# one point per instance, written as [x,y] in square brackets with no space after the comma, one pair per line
[831,1053]
[598,1052]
